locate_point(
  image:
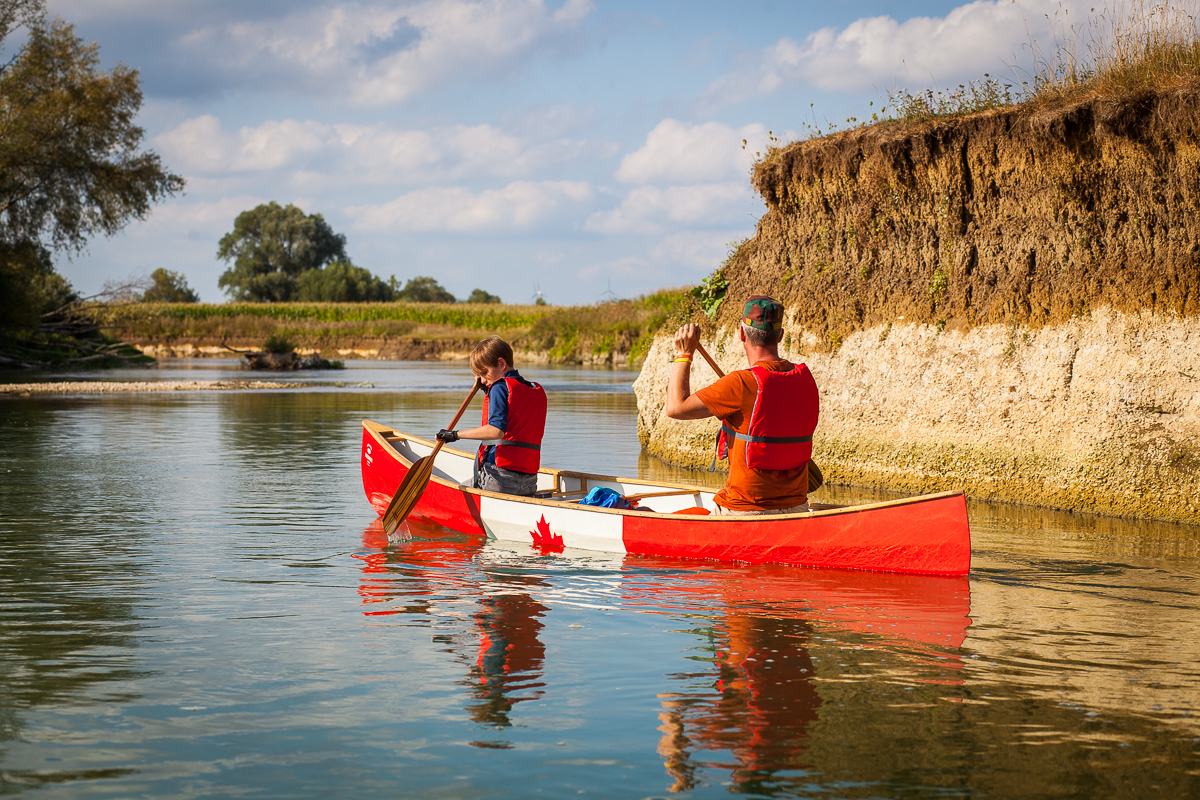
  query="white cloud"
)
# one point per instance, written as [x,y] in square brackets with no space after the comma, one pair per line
[519,206]
[872,52]
[702,251]
[383,53]
[646,209]
[217,215]
[676,152]
[318,154]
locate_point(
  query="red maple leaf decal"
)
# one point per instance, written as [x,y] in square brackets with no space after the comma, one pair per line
[543,538]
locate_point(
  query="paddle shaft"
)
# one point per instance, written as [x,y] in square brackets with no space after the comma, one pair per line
[417,478]
[461,410]
[815,478]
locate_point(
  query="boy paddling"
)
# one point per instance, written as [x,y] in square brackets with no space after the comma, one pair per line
[768,414]
[514,420]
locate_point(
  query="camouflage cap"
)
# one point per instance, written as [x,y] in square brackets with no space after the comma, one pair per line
[764,313]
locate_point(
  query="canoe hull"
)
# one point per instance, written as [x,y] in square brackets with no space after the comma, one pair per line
[927,535]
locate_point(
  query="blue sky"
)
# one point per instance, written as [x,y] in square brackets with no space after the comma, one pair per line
[505,145]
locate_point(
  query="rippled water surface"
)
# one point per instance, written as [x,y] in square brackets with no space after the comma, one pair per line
[196,601]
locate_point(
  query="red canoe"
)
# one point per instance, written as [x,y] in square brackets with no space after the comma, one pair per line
[926,535]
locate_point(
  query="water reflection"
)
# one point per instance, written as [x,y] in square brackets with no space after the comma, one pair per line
[189,607]
[750,689]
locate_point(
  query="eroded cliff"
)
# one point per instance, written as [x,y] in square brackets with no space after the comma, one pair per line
[1007,303]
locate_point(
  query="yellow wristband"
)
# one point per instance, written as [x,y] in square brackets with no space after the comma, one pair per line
[684,359]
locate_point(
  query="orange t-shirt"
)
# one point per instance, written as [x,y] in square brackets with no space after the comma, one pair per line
[731,399]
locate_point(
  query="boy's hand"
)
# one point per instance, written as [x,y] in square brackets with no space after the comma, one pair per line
[447,436]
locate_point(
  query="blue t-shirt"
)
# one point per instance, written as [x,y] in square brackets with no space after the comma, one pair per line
[498,409]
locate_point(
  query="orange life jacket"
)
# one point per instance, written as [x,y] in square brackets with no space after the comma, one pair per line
[779,435]
[520,448]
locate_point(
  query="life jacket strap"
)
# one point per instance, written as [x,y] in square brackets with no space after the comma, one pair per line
[507,443]
[764,439]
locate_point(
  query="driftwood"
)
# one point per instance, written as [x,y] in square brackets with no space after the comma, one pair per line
[282,361]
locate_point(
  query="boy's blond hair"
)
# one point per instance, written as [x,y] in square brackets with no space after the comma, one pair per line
[488,353]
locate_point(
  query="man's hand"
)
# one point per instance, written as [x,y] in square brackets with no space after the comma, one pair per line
[687,339]
[681,403]
[447,436]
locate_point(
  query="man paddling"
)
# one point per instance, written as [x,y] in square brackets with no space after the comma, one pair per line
[514,420]
[768,414]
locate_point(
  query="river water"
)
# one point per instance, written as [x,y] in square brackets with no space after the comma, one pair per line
[196,601]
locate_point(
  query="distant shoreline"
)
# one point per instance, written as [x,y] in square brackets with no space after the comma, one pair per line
[116,387]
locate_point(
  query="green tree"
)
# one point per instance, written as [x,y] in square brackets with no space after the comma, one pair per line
[480,296]
[270,247]
[169,287]
[70,166]
[424,289]
[342,282]
[29,286]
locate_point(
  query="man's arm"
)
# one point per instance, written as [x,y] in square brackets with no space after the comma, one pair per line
[681,403]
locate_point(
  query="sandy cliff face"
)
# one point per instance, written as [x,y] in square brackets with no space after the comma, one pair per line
[1007,303]
[1101,413]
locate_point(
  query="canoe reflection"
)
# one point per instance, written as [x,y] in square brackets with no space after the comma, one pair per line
[749,701]
[761,694]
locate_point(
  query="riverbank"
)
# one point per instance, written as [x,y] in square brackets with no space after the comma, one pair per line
[117,387]
[613,334]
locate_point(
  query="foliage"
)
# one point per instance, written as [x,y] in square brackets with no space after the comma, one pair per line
[540,301]
[278,343]
[1120,49]
[169,287]
[469,318]
[711,290]
[70,166]
[342,282]
[424,289]
[968,98]
[270,246]
[29,286]
[480,296]
[614,326]
[15,13]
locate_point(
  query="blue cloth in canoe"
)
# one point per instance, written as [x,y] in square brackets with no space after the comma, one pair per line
[605,498]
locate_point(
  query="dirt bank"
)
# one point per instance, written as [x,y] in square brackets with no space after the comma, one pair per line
[1005,303]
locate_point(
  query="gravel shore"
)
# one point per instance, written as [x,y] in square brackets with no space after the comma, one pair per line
[109,387]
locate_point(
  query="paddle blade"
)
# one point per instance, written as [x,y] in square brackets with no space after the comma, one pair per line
[406,496]
[815,479]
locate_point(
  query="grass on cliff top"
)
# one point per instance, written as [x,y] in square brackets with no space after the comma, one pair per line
[1114,51]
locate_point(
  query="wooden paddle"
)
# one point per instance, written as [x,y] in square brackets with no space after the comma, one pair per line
[815,478]
[414,483]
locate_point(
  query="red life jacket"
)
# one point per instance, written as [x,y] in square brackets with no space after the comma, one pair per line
[520,448]
[779,435]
